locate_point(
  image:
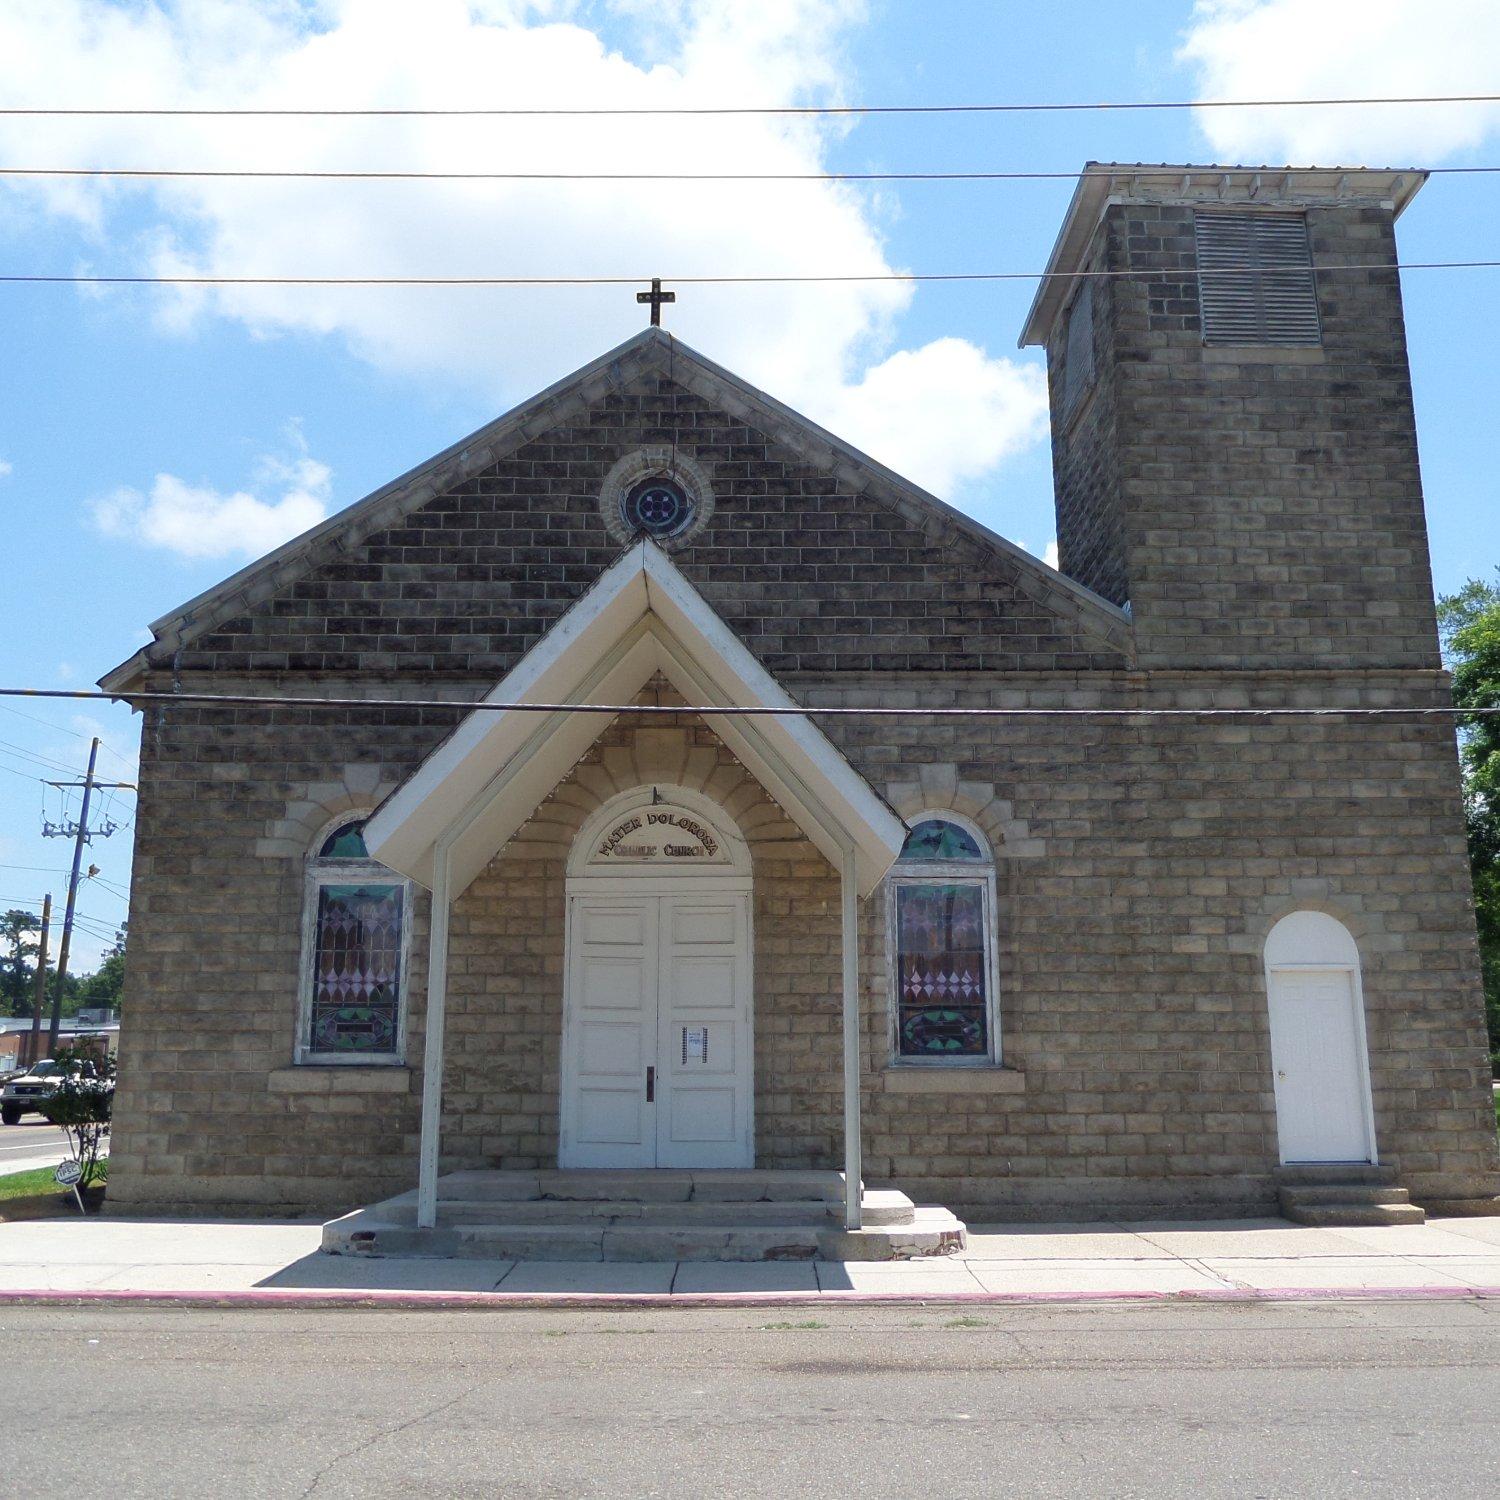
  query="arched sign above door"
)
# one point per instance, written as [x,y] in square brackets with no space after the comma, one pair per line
[661,835]
[657,832]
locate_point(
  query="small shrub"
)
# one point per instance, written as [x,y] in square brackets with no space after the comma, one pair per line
[82,1105]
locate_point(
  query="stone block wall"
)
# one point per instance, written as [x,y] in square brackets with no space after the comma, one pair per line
[210,1109]
[1155,856]
[1141,863]
[1092,545]
[1262,505]
[810,574]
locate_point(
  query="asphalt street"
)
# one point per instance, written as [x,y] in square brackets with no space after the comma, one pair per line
[1162,1401]
[31,1143]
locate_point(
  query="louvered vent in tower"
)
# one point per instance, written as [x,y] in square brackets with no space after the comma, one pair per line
[1255,279]
[1078,352]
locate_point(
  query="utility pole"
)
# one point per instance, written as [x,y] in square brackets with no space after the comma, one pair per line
[39,995]
[82,834]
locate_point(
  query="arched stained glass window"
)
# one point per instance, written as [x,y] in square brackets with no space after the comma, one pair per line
[347,842]
[942,902]
[355,959]
[938,839]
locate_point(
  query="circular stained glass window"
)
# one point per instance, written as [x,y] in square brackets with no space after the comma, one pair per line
[659,507]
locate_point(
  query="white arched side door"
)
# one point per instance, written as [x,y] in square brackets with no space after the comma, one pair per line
[1320,1059]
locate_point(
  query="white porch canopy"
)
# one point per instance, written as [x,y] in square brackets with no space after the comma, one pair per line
[450,817]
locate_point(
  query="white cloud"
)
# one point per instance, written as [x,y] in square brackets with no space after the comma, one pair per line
[123,747]
[1288,49]
[828,349]
[943,414]
[198,521]
[5,467]
[1050,555]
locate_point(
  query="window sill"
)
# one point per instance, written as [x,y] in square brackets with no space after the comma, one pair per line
[1264,354]
[340,1078]
[895,1080]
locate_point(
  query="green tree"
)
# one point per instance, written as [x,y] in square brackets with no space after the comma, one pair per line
[102,988]
[1470,624]
[16,927]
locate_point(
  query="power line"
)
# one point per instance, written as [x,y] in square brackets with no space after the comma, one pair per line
[62,729]
[13,749]
[41,780]
[656,110]
[757,711]
[393,175]
[6,756]
[95,927]
[105,887]
[782,280]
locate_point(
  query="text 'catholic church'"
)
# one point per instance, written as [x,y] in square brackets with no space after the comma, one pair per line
[1037,964]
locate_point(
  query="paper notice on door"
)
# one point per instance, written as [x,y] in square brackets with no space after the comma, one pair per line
[694,1045]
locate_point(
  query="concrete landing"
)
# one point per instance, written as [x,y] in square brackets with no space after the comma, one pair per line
[658,1216]
[1347,1196]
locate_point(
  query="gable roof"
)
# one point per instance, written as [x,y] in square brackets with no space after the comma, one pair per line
[653,350]
[640,617]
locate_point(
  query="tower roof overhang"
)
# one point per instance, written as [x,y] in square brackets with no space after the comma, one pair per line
[641,617]
[1103,183]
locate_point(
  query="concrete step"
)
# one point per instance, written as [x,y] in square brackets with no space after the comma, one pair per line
[1354,1215]
[1334,1174]
[1352,1193]
[882,1209]
[373,1231]
[654,1186]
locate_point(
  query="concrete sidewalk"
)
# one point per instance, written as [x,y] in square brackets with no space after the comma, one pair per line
[1244,1258]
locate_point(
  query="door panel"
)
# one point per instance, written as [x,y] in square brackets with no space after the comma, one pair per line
[1320,1066]
[663,982]
[615,981]
[702,1119]
[704,1113]
[606,1051]
[611,1033]
[700,921]
[704,981]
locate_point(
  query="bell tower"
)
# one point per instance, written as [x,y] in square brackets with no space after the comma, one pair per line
[1234,446]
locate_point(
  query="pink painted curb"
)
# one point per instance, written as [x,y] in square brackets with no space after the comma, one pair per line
[312,1298]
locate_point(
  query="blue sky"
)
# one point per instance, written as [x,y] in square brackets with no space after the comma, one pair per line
[150,443]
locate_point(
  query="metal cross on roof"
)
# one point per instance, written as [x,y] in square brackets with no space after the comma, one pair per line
[656,297]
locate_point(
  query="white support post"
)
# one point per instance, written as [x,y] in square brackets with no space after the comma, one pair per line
[432,1055]
[853,1153]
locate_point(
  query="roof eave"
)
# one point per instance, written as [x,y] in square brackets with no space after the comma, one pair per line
[431,474]
[1098,187]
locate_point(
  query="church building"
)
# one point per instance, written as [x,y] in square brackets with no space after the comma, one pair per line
[598,847]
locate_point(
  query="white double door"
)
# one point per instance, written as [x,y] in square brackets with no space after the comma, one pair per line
[656,1066]
[1321,1066]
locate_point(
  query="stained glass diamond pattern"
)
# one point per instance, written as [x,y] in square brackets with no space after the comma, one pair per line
[357,974]
[941,1007]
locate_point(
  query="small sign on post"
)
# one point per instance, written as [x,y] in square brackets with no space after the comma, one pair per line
[69,1174]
